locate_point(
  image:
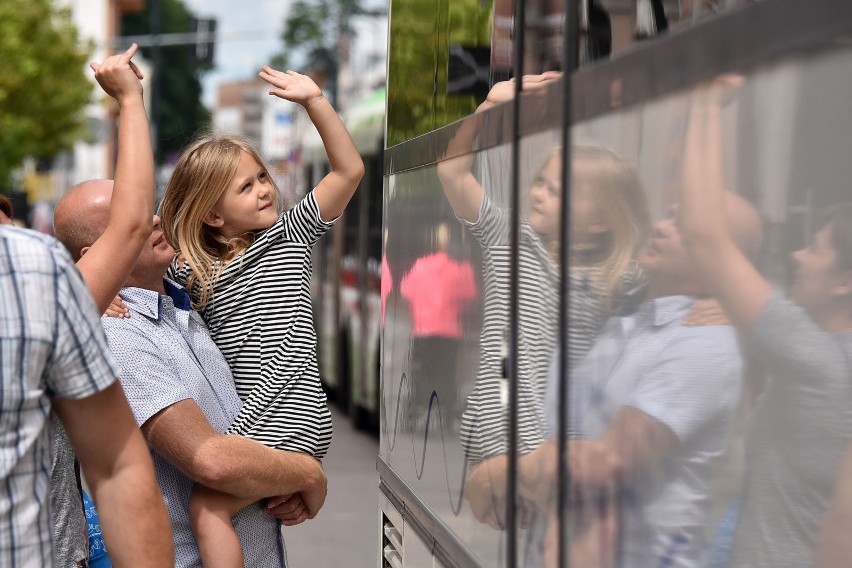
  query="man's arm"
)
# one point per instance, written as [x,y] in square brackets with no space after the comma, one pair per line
[118,468]
[723,269]
[109,261]
[232,464]
[835,547]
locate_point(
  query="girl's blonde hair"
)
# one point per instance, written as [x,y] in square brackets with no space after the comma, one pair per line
[202,174]
[618,194]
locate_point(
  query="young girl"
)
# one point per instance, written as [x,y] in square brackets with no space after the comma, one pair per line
[248,271]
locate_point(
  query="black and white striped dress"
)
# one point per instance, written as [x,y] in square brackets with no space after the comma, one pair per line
[260,317]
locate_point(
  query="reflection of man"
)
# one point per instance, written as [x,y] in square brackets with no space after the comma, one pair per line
[653,400]
[182,394]
[54,356]
[437,289]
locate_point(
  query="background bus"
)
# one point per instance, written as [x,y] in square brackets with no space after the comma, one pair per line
[347,270]
[629,69]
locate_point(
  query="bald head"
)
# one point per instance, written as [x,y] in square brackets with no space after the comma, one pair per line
[744,224]
[81,215]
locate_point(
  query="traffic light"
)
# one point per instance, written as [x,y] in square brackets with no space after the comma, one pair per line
[202,51]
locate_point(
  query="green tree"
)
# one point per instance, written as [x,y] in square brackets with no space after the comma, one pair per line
[421,33]
[182,113]
[43,84]
[314,29]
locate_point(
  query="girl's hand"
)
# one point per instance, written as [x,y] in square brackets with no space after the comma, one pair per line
[117,309]
[505,90]
[292,86]
[706,312]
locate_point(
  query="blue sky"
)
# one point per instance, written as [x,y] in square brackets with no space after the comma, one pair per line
[249,33]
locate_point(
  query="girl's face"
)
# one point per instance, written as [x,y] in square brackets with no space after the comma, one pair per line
[247,204]
[545,200]
[818,282]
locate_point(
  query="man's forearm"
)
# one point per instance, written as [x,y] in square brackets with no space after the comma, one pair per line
[248,469]
[117,464]
[135,523]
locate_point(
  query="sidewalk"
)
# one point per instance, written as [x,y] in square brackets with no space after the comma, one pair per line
[345,533]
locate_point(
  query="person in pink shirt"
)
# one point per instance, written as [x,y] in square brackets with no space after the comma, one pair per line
[438,288]
[387,277]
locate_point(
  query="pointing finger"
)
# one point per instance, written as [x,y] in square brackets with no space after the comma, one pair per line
[95,66]
[131,51]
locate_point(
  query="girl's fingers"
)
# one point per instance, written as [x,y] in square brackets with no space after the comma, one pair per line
[270,71]
[273,80]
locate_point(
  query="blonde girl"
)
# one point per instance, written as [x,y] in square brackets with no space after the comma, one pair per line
[247,268]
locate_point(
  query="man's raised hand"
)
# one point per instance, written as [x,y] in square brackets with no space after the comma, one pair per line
[118,76]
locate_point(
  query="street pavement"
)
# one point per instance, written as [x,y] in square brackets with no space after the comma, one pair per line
[345,533]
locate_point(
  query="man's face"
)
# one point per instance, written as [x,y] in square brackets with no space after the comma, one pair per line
[156,255]
[665,259]
[817,277]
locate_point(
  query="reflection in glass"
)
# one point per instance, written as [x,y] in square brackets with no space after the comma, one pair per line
[710,417]
[439,290]
[801,425]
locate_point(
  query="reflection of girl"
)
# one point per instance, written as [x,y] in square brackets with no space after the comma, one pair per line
[802,421]
[609,223]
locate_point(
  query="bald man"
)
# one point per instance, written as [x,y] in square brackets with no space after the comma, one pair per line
[124,218]
[652,403]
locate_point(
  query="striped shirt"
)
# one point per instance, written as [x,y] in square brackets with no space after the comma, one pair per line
[484,424]
[51,346]
[166,356]
[261,318]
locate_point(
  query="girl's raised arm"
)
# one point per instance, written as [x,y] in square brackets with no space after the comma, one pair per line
[336,189]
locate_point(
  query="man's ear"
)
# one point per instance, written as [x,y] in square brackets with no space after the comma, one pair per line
[213,219]
[83,251]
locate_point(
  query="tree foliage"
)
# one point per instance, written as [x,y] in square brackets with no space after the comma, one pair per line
[313,28]
[43,84]
[182,114]
[421,34]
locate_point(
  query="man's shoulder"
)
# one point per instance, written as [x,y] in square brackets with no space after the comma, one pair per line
[33,250]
